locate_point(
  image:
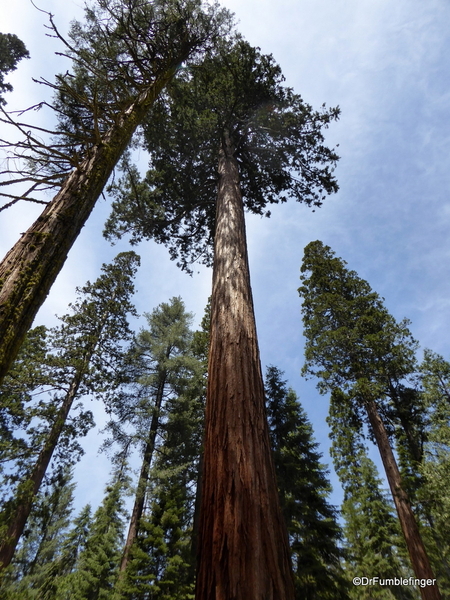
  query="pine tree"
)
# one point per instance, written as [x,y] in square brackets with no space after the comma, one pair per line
[123,56]
[161,562]
[87,358]
[163,364]
[373,543]
[355,345]
[230,136]
[313,529]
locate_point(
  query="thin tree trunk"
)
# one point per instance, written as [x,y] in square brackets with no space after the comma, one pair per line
[139,500]
[243,544]
[30,268]
[417,553]
[31,486]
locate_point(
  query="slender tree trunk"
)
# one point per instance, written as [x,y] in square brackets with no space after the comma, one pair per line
[417,553]
[30,268]
[243,544]
[139,499]
[29,488]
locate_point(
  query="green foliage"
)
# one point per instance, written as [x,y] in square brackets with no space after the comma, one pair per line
[97,565]
[277,140]
[118,52]
[352,340]
[12,50]
[83,355]
[42,542]
[162,565]
[162,561]
[372,538]
[304,487]
[353,344]
[160,365]
[435,469]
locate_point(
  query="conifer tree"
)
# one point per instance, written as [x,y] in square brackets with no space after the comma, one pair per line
[435,468]
[355,345]
[373,541]
[161,561]
[163,365]
[97,567]
[42,540]
[229,136]
[123,56]
[86,359]
[314,533]
[59,573]
[12,50]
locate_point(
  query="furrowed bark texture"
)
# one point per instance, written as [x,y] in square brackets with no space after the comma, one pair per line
[243,545]
[32,485]
[417,553]
[30,268]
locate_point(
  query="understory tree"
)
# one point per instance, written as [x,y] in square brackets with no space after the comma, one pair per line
[435,468]
[42,541]
[163,368]
[123,55]
[314,533]
[227,136]
[373,543]
[354,345]
[85,357]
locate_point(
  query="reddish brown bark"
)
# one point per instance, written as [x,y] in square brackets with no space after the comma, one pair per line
[243,545]
[417,553]
[30,268]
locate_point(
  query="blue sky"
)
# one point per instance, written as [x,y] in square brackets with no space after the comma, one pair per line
[386,65]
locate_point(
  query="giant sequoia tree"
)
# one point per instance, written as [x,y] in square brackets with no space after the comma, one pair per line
[123,56]
[228,136]
[355,345]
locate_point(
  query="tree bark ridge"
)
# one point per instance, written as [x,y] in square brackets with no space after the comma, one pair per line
[243,545]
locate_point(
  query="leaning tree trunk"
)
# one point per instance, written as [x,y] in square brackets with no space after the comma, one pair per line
[28,489]
[417,553]
[243,545]
[30,268]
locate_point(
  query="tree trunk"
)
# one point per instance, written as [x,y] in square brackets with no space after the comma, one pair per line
[29,488]
[243,545]
[419,559]
[139,500]
[30,268]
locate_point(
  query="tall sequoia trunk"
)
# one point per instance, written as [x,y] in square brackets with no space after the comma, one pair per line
[30,268]
[417,553]
[139,499]
[30,487]
[243,544]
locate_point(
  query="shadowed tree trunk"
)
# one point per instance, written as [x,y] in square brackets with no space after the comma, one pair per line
[30,268]
[416,549]
[243,545]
